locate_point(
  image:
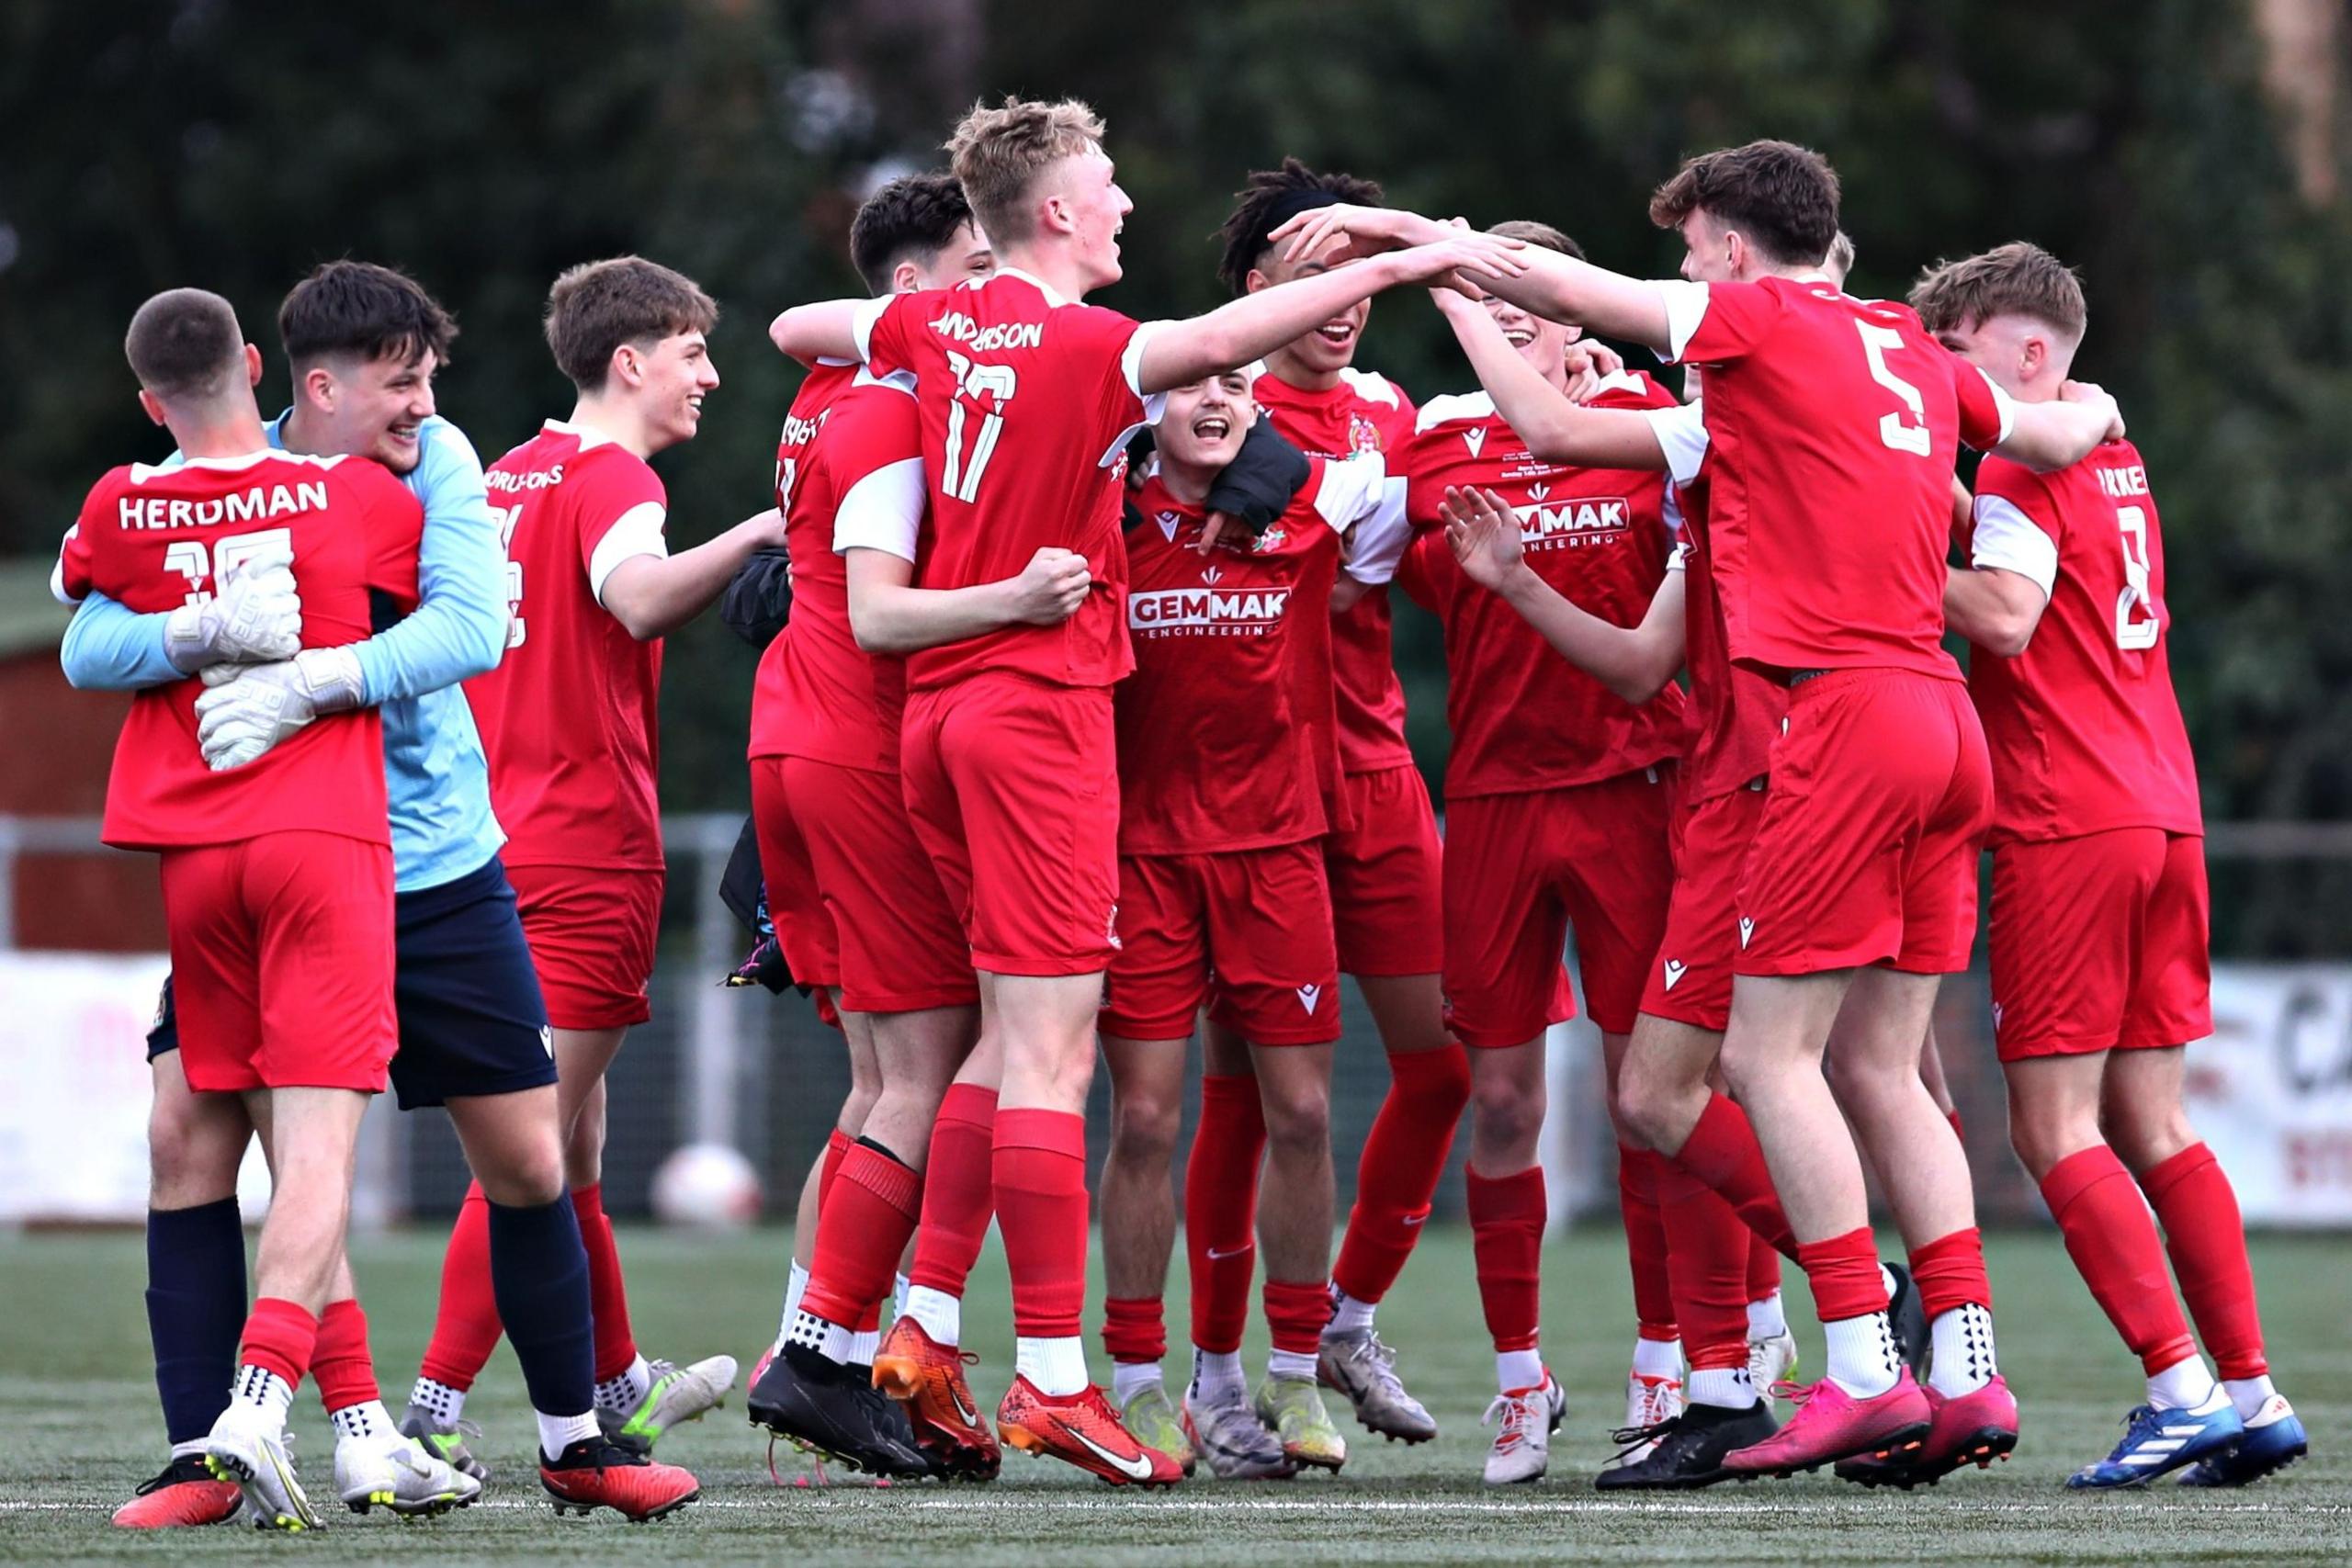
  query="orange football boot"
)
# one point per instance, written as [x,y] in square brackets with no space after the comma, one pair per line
[928,1379]
[183,1493]
[1083,1429]
[596,1472]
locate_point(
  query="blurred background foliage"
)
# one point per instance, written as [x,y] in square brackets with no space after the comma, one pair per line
[2184,154]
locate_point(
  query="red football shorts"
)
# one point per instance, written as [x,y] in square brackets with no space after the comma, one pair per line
[1383,874]
[1690,982]
[2099,943]
[1250,930]
[1520,870]
[282,961]
[592,930]
[1880,795]
[853,895]
[1013,789]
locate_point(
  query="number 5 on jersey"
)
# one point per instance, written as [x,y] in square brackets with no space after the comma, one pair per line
[979,383]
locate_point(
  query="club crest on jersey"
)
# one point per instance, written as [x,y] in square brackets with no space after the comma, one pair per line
[1475,439]
[1272,540]
[1362,434]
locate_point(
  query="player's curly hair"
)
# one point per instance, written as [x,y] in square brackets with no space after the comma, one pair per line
[2018,278]
[1271,199]
[913,217]
[368,312]
[998,153]
[1784,197]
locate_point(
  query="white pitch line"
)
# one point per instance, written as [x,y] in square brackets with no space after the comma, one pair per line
[2073,1512]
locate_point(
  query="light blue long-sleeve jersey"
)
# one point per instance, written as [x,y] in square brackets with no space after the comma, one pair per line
[439,784]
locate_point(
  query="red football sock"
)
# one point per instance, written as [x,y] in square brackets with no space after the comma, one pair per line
[1763,1263]
[829,1168]
[1707,1261]
[1645,1249]
[465,1326]
[1135,1329]
[862,1229]
[1221,1207]
[1507,1240]
[1404,1156]
[1949,1272]
[608,1296]
[280,1337]
[958,1191]
[2206,1238]
[1296,1312]
[1722,1151]
[2114,1246]
[1040,1174]
[340,1362]
[1844,1273]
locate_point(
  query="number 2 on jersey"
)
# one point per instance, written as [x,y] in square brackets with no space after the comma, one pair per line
[2138,598]
[1913,437]
[961,481]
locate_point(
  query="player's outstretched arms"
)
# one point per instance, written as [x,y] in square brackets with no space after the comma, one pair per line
[1177,353]
[826,330]
[1993,608]
[1634,663]
[2049,436]
[654,595]
[1554,427]
[257,617]
[889,615]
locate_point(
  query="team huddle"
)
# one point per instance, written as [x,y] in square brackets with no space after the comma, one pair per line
[1082,731]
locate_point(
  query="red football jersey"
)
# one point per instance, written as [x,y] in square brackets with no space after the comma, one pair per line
[1734,713]
[154,538]
[1834,425]
[1523,718]
[1026,403]
[1212,753]
[1364,412]
[2084,731]
[568,718]
[850,442]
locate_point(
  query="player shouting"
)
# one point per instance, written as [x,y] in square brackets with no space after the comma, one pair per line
[567,722]
[1833,425]
[1027,399]
[277,877]
[2100,969]
[1380,855]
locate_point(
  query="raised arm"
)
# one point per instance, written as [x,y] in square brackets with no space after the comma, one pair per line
[826,330]
[1555,429]
[2050,436]
[1180,353]
[1635,662]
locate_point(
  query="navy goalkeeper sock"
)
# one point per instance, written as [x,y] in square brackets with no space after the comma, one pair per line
[195,1310]
[538,1274]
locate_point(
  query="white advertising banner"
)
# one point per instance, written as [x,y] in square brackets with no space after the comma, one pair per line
[2271,1091]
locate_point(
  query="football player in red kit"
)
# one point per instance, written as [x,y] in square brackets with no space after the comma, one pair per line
[1027,399]
[2100,968]
[278,875]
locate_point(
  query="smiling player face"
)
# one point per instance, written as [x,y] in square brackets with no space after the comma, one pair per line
[1204,424]
[1095,209]
[1331,347]
[675,373]
[372,408]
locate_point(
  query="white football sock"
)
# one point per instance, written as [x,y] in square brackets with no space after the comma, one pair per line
[1658,1359]
[829,1340]
[2250,1394]
[792,1290]
[862,1347]
[558,1433]
[1862,1354]
[900,1286]
[1727,1387]
[438,1400]
[1348,1314]
[264,1391]
[1298,1365]
[1767,1319]
[1217,1376]
[1054,1367]
[1964,1360]
[941,1315]
[2184,1385]
[1131,1378]
[367,1419]
[625,1391]
[1516,1369]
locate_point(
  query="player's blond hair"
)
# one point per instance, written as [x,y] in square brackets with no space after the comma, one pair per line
[2018,278]
[999,154]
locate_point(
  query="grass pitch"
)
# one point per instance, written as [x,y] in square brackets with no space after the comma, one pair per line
[74,1382]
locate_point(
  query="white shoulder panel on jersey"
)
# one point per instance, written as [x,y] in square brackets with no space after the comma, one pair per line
[1682,434]
[1452,407]
[637,532]
[1686,307]
[897,380]
[883,511]
[1372,386]
[2007,539]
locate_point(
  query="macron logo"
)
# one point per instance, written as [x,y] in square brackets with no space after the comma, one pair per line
[1308,996]
[1746,930]
[1675,970]
[1474,438]
[1169,523]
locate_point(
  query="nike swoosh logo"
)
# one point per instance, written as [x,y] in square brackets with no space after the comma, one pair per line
[1415,1219]
[971,1416]
[1136,1468]
[1219,1254]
